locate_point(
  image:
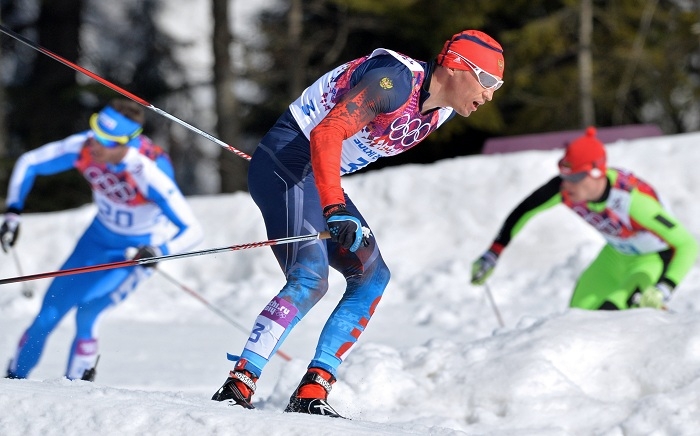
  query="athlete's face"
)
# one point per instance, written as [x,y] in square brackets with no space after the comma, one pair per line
[466,94]
[103,155]
[588,189]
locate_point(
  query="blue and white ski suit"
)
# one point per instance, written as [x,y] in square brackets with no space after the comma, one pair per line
[138,204]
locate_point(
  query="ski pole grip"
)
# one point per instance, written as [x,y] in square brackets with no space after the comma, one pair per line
[324,235]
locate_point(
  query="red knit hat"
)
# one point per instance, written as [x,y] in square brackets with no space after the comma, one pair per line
[584,155]
[479,48]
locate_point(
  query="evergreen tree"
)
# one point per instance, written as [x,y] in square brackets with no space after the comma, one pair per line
[643,61]
[48,101]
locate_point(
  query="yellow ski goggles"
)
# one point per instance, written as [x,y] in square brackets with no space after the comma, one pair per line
[112,128]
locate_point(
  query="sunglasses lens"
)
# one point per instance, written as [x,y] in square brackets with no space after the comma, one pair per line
[574,178]
[105,142]
[489,81]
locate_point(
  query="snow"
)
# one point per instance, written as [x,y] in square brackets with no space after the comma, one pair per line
[433,360]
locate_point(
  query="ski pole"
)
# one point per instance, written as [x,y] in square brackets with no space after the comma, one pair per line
[213,308]
[493,304]
[27,290]
[121,91]
[145,261]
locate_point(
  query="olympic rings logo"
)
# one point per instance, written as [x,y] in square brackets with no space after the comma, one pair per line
[602,222]
[109,184]
[409,131]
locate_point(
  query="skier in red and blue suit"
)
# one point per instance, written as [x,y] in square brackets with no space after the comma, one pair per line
[375,106]
[140,210]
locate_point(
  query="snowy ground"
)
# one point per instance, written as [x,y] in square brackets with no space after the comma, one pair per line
[432,361]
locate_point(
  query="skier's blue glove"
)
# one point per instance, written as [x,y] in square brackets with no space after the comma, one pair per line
[345,228]
[9,231]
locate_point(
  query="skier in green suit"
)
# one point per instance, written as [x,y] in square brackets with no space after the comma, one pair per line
[648,251]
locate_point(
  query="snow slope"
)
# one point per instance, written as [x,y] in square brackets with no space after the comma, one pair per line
[432,361]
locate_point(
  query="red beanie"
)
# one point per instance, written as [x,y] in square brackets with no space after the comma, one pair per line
[481,50]
[584,154]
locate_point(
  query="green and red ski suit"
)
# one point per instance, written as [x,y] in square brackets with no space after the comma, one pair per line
[645,245]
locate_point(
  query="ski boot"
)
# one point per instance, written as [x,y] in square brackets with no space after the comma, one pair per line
[312,393]
[89,374]
[238,388]
[10,374]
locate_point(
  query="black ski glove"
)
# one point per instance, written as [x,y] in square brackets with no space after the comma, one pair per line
[9,231]
[145,252]
[345,228]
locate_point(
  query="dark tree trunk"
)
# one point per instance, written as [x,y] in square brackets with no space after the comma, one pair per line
[585,63]
[233,170]
[49,108]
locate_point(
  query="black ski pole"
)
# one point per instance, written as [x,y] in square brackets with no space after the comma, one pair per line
[148,260]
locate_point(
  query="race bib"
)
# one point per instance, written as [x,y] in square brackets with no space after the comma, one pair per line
[270,326]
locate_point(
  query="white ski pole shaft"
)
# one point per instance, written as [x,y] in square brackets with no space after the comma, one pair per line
[493,304]
[27,290]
